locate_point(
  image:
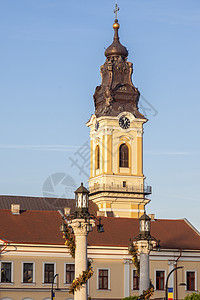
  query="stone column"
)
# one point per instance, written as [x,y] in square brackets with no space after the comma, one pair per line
[127,263]
[80,228]
[143,251]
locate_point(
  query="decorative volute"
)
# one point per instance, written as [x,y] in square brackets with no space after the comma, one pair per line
[116,92]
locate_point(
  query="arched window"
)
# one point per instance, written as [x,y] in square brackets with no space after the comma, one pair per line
[123,156]
[97,157]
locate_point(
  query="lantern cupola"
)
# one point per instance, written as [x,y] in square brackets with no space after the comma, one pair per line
[82,202]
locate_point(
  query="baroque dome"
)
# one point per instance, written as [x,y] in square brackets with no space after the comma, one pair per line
[116,48]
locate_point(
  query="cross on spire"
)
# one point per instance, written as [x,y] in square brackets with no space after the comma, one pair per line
[116,10]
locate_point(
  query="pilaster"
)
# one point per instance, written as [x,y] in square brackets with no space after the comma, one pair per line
[127,263]
[92,159]
[171,264]
[139,153]
[108,134]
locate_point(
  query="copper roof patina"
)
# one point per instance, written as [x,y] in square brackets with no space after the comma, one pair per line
[117,92]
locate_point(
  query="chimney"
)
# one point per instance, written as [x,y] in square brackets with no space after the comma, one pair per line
[15,209]
[67,211]
[101,213]
[152,216]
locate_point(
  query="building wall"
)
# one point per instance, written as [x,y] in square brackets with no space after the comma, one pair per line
[115,259]
[128,182]
[38,255]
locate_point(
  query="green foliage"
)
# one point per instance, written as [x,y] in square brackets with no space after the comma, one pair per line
[193,296]
[133,251]
[69,239]
[131,298]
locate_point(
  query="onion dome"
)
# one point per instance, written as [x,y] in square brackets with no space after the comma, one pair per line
[116,48]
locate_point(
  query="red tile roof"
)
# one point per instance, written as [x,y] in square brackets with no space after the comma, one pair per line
[41,203]
[173,234]
[37,227]
[42,227]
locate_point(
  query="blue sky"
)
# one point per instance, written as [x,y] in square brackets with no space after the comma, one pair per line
[50,57]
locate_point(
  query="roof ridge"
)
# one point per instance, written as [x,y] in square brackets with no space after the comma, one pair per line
[169,219]
[31,210]
[191,226]
[23,196]
[43,211]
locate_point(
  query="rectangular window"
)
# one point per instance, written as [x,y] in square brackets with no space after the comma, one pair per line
[136,280]
[6,271]
[124,183]
[103,279]
[70,273]
[28,273]
[190,280]
[48,272]
[160,279]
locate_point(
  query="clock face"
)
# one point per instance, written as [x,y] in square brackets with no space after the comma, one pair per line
[124,122]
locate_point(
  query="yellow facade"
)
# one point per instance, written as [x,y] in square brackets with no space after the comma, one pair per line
[120,190]
[38,255]
[114,259]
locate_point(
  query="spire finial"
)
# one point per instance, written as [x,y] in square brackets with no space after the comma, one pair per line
[116,48]
[116,24]
[116,10]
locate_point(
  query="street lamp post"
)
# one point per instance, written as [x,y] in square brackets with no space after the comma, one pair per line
[145,243]
[82,223]
[52,292]
[167,280]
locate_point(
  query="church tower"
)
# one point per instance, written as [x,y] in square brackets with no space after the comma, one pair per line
[116,182]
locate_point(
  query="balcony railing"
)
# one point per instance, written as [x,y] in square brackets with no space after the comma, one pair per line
[117,188]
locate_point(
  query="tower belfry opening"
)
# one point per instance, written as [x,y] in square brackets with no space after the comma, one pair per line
[117,183]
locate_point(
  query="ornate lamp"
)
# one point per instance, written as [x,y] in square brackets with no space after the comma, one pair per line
[81,212]
[82,202]
[145,224]
[144,244]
